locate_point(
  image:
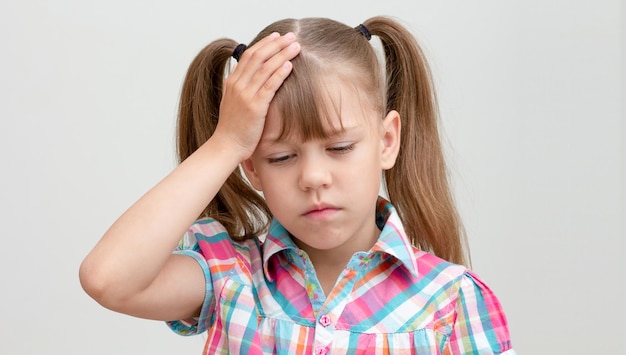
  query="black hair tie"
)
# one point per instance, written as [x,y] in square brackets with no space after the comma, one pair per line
[364,31]
[239,51]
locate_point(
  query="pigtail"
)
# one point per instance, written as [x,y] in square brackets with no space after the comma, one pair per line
[237,206]
[418,183]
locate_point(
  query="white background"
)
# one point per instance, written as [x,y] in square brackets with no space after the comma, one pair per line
[532,96]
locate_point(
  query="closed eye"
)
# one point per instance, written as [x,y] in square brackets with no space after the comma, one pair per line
[279,159]
[341,149]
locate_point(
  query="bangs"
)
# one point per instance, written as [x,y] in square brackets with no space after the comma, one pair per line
[333,58]
[308,105]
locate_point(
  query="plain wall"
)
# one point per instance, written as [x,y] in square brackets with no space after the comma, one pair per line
[532,100]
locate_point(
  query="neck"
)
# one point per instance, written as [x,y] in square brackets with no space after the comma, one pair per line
[329,264]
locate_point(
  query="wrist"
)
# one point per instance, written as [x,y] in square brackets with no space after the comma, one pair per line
[227,148]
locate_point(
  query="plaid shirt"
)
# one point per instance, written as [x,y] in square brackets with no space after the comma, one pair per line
[264,298]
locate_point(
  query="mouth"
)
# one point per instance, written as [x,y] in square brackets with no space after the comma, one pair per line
[321,212]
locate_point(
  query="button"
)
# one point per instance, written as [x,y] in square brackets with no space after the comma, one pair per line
[320,351]
[325,320]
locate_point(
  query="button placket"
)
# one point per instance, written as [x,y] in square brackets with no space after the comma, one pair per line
[323,334]
[330,313]
[325,320]
[320,350]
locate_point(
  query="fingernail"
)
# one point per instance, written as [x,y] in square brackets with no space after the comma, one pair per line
[274,35]
[290,35]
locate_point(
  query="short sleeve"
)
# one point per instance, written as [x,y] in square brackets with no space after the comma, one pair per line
[480,326]
[194,244]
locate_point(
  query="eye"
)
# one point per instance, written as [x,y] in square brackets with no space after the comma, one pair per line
[342,149]
[279,159]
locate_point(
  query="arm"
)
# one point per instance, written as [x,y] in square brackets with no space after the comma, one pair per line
[131,269]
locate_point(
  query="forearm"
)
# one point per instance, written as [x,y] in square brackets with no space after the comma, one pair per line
[133,251]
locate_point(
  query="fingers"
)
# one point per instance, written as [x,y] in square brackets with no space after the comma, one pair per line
[265,60]
[250,88]
[268,79]
[272,84]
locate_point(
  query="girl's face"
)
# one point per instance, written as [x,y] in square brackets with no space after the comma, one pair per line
[324,191]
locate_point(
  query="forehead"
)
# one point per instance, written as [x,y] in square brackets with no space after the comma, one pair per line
[336,107]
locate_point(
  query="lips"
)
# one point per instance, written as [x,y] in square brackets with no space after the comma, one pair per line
[321,207]
[321,211]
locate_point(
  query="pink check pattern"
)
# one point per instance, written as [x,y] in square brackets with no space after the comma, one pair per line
[265,298]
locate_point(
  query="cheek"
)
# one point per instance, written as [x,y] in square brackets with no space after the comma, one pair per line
[368,168]
[275,197]
[271,180]
[369,158]
[362,172]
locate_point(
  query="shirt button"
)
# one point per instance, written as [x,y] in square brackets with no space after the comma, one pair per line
[325,320]
[320,351]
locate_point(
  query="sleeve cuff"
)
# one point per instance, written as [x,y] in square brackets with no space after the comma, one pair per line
[195,325]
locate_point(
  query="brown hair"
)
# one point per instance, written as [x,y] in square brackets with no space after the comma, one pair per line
[417,184]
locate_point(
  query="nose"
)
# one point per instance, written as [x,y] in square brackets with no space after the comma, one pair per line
[314,173]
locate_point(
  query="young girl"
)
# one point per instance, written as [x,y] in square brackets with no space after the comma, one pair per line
[320,264]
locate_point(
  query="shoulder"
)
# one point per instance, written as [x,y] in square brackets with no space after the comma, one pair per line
[434,268]
[209,230]
[210,238]
[205,229]
[460,284]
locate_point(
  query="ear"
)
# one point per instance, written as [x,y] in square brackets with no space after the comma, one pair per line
[251,174]
[390,139]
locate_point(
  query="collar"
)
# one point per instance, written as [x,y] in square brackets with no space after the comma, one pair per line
[392,241]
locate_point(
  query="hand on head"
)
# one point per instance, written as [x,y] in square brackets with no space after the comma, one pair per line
[250,88]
